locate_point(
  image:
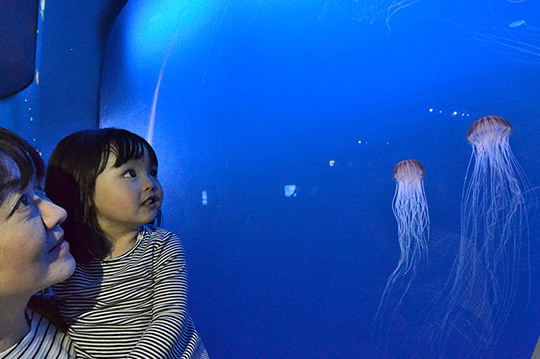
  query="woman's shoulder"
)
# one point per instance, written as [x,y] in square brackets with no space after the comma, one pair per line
[43,340]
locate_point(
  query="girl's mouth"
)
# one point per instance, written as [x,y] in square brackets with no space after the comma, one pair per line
[150,201]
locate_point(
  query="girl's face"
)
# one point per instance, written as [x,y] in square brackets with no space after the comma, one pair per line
[128,196]
[33,253]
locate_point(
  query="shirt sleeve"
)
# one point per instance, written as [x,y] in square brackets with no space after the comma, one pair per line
[171,333]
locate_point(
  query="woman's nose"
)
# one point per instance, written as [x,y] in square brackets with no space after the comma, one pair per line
[51,214]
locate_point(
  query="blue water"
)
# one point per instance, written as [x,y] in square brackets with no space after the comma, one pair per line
[256,97]
[244,98]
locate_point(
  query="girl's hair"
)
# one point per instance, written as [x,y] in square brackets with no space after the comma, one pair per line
[71,180]
[30,166]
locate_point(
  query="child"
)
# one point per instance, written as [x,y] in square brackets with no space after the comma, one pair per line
[128,295]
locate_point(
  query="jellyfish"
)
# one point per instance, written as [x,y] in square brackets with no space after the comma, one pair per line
[481,289]
[370,10]
[517,23]
[411,211]
[515,41]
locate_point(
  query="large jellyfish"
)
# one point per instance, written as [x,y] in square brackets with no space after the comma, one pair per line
[411,211]
[477,299]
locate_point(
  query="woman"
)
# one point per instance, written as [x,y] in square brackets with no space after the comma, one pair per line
[536,354]
[33,256]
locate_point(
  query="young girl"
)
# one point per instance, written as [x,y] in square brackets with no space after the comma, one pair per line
[128,295]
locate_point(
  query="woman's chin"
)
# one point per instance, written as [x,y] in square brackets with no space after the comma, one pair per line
[61,269]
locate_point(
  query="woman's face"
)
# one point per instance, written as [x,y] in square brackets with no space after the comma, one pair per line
[33,254]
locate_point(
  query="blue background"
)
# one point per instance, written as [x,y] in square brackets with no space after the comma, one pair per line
[241,98]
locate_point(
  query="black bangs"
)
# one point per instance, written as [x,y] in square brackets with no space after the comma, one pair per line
[125,151]
[125,146]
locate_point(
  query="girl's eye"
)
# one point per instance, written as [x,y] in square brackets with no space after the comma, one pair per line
[130,174]
[153,173]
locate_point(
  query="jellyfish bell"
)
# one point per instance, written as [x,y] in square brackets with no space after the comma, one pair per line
[489,128]
[408,171]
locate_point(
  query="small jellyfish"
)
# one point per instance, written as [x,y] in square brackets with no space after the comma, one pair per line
[517,23]
[411,211]
[481,289]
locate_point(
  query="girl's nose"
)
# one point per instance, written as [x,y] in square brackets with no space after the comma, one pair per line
[51,214]
[151,183]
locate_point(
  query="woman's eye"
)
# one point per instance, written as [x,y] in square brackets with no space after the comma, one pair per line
[25,200]
[130,174]
[23,203]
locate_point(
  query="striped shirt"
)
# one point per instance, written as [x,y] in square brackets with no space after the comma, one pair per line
[43,341]
[133,306]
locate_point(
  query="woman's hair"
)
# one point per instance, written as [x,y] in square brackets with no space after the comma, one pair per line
[73,168]
[26,158]
[30,166]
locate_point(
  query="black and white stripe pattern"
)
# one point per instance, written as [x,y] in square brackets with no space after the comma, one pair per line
[43,341]
[133,306]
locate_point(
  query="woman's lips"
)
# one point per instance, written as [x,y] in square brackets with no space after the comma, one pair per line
[61,244]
